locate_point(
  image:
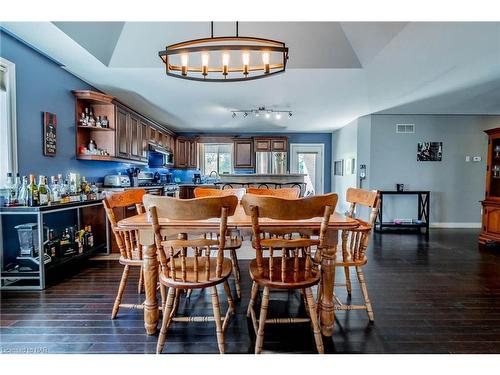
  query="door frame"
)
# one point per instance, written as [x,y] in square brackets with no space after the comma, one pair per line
[318,148]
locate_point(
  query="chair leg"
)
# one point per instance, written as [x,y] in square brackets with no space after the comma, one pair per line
[253,296]
[230,302]
[348,280]
[121,289]
[141,281]
[166,321]
[236,272]
[364,291]
[178,293]
[262,320]
[314,321]
[163,293]
[217,317]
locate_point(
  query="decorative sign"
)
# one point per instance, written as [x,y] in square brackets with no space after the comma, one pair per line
[429,151]
[49,134]
[338,167]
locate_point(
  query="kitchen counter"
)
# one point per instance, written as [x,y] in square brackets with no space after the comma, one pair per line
[286,175]
[247,178]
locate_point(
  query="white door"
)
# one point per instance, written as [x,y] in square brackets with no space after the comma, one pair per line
[309,159]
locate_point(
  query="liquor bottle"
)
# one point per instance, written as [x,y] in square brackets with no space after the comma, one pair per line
[10,191]
[22,195]
[94,191]
[91,117]
[33,196]
[43,193]
[90,237]
[55,195]
[79,239]
[52,245]
[17,186]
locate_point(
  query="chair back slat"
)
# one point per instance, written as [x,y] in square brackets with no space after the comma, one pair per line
[299,263]
[289,193]
[189,259]
[127,240]
[200,192]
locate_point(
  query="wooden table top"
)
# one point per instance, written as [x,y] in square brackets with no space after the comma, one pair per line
[239,219]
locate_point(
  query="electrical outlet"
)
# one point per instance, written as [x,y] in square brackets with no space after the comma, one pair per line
[476,158]
[467,158]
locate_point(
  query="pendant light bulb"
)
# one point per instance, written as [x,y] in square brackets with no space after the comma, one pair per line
[204,63]
[278,116]
[225,63]
[268,114]
[184,63]
[265,60]
[245,57]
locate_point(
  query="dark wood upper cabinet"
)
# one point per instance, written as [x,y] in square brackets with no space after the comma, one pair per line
[193,154]
[135,138]
[279,145]
[243,156]
[185,153]
[122,133]
[145,128]
[270,144]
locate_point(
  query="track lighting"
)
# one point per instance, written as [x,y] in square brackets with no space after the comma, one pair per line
[267,113]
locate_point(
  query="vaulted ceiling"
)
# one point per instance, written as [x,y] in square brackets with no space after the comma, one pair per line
[337,71]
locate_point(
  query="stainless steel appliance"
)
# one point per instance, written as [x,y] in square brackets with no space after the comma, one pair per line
[270,162]
[29,248]
[116,180]
[155,185]
[197,178]
[160,157]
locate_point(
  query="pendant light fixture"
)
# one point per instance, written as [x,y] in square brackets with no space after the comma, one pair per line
[225,59]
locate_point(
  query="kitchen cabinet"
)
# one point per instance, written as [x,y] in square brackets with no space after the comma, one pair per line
[127,136]
[186,191]
[122,133]
[266,144]
[185,153]
[135,138]
[243,156]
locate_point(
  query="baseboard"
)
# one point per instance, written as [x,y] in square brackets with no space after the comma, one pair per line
[455,225]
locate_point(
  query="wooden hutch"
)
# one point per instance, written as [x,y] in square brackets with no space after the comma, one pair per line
[490,231]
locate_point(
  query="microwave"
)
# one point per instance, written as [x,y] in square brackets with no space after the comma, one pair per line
[160,157]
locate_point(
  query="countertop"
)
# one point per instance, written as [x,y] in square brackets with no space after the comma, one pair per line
[262,175]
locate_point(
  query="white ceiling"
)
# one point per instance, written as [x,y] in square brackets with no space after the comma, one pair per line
[337,71]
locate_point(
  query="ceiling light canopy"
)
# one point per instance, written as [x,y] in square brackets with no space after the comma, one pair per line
[225,59]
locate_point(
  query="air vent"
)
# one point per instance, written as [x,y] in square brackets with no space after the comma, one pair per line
[405,128]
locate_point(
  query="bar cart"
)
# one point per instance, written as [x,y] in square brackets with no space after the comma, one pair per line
[13,218]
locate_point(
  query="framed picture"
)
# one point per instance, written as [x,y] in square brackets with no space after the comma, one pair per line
[338,167]
[350,165]
[429,151]
[49,134]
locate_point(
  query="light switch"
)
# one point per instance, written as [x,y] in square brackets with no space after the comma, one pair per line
[476,158]
[467,158]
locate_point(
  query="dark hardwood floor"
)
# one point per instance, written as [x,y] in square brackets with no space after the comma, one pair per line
[435,295]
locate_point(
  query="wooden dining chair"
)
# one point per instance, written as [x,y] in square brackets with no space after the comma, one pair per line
[186,263]
[289,193]
[285,272]
[127,240]
[354,245]
[233,238]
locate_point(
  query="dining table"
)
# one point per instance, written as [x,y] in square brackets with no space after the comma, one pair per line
[241,221]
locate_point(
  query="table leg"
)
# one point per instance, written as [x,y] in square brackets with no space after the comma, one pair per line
[151,310]
[327,280]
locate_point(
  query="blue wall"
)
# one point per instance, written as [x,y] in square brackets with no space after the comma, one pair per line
[43,86]
[324,138]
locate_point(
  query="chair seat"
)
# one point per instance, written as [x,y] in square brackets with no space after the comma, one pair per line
[201,279]
[289,280]
[130,262]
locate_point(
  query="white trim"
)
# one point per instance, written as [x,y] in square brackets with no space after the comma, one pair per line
[321,160]
[455,225]
[11,89]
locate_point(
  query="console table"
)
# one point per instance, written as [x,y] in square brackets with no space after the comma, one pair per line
[422,221]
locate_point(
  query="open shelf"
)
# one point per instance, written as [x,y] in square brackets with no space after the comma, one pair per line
[95,128]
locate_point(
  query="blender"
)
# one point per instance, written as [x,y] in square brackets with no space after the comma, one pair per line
[29,248]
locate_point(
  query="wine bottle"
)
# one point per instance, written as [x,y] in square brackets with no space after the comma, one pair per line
[42,191]
[33,197]
[22,196]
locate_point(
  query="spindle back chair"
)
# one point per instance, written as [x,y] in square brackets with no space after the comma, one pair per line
[233,238]
[294,268]
[127,240]
[187,263]
[354,245]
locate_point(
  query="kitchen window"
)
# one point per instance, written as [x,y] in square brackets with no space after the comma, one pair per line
[8,137]
[216,157]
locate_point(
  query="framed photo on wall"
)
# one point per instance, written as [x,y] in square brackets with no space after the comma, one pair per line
[49,134]
[429,151]
[338,167]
